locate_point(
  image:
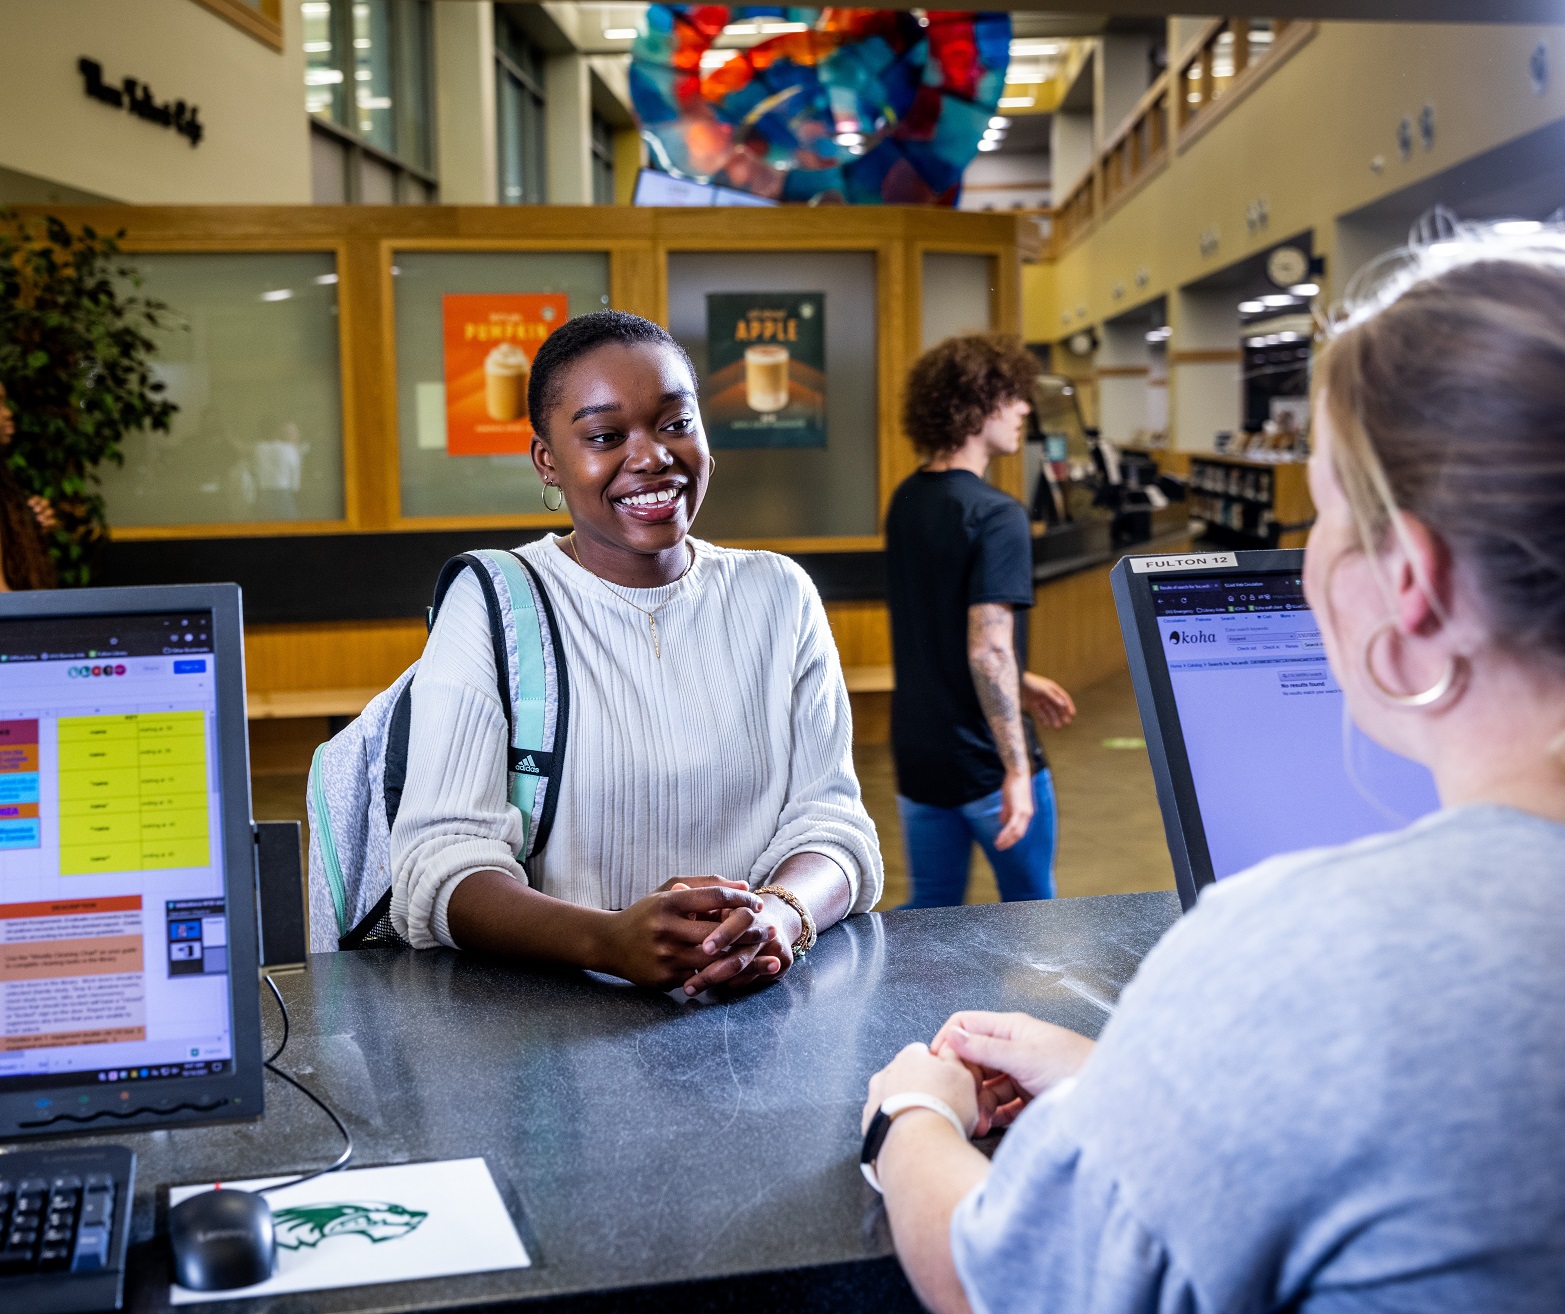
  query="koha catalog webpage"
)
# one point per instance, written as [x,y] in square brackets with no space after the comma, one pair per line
[1277,764]
[113,929]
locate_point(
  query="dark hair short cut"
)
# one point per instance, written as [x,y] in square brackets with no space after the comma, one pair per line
[954,387]
[573,340]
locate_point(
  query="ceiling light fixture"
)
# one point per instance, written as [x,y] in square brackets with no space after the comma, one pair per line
[1017,102]
[999,122]
[619,34]
[1251,307]
[1277,300]
[1518,227]
[281,294]
[1305,289]
[988,145]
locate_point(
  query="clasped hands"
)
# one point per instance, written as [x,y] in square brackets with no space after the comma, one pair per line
[703,932]
[987,1066]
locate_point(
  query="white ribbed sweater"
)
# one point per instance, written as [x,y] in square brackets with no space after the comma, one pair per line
[725,756]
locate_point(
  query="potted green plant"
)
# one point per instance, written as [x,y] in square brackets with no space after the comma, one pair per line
[76,362]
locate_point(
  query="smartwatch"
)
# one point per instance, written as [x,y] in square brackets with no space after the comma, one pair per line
[880,1124]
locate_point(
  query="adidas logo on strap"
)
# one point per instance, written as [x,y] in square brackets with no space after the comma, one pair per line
[527,764]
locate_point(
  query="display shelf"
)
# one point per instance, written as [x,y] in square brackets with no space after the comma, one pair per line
[1249,502]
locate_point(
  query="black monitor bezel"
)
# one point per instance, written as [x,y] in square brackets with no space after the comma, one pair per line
[1176,794]
[179,1101]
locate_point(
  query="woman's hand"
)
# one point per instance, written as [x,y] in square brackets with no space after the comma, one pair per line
[919,1068]
[1012,1057]
[742,966]
[43,513]
[660,940]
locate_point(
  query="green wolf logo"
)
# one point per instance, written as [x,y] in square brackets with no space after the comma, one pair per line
[309,1225]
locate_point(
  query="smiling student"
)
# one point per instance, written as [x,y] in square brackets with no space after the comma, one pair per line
[709,821]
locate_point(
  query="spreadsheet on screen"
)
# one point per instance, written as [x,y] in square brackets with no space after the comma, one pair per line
[113,925]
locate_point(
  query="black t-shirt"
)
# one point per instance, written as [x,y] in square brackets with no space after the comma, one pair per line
[952,542]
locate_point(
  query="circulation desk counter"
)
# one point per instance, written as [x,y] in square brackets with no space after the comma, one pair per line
[661,1154]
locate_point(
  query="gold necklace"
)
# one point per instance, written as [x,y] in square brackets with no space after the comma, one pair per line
[652,616]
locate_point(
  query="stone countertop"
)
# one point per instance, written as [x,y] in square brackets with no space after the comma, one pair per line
[643,1140]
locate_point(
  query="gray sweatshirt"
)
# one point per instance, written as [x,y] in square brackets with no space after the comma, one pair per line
[1338,1084]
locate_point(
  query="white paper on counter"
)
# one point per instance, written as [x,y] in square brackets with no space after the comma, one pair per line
[370,1225]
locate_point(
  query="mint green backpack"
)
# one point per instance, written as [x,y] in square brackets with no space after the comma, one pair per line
[357,776]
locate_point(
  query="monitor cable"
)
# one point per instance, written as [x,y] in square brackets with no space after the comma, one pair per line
[270,1064]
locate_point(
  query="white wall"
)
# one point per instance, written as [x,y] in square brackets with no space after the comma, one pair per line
[1123,362]
[1206,394]
[251,99]
[568,126]
[1073,148]
[465,103]
[1123,66]
[997,181]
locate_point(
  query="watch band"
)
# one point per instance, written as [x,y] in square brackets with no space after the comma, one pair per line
[880,1125]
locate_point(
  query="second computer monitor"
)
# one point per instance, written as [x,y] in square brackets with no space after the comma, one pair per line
[1247,728]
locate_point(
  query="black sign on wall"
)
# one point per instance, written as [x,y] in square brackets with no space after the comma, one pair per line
[135,97]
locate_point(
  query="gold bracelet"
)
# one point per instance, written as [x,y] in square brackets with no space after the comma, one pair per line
[807,936]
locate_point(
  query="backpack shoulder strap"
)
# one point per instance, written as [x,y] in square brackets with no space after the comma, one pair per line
[562,716]
[540,697]
[502,665]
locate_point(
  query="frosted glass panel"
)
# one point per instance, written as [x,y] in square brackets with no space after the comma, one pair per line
[792,492]
[958,295]
[252,363]
[433,482]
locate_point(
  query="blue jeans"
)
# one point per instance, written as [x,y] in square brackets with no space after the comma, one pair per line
[939,843]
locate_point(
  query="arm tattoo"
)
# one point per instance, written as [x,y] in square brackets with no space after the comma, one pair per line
[991,656]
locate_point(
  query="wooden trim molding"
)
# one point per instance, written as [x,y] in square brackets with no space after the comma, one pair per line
[231,529]
[264,21]
[1218,356]
[1123,371]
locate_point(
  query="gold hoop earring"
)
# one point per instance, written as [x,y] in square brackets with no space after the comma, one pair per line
[561,496]
[1436,692]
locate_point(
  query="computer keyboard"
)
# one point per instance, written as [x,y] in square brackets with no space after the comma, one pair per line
[64,1226]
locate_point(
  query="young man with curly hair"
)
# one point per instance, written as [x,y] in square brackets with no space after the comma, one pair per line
[959,561]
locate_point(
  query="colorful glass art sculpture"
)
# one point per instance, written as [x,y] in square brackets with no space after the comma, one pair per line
[867,106]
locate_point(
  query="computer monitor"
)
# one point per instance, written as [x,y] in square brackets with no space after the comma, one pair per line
[129,993]
[654,187]
[1251,746]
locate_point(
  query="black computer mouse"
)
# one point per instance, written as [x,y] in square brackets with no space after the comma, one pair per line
[221,1240]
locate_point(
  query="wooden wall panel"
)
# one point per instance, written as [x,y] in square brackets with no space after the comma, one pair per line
[862,631]
[1073,633]
[346,654]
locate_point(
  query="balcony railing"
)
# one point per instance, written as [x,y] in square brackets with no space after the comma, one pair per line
[1226,60]
[1139,147]
[1220,67]
[1073,217]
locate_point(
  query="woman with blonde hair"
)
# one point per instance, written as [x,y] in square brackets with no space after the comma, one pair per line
[1337,1085]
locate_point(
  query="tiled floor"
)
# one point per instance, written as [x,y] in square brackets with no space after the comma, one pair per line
[1111,834]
